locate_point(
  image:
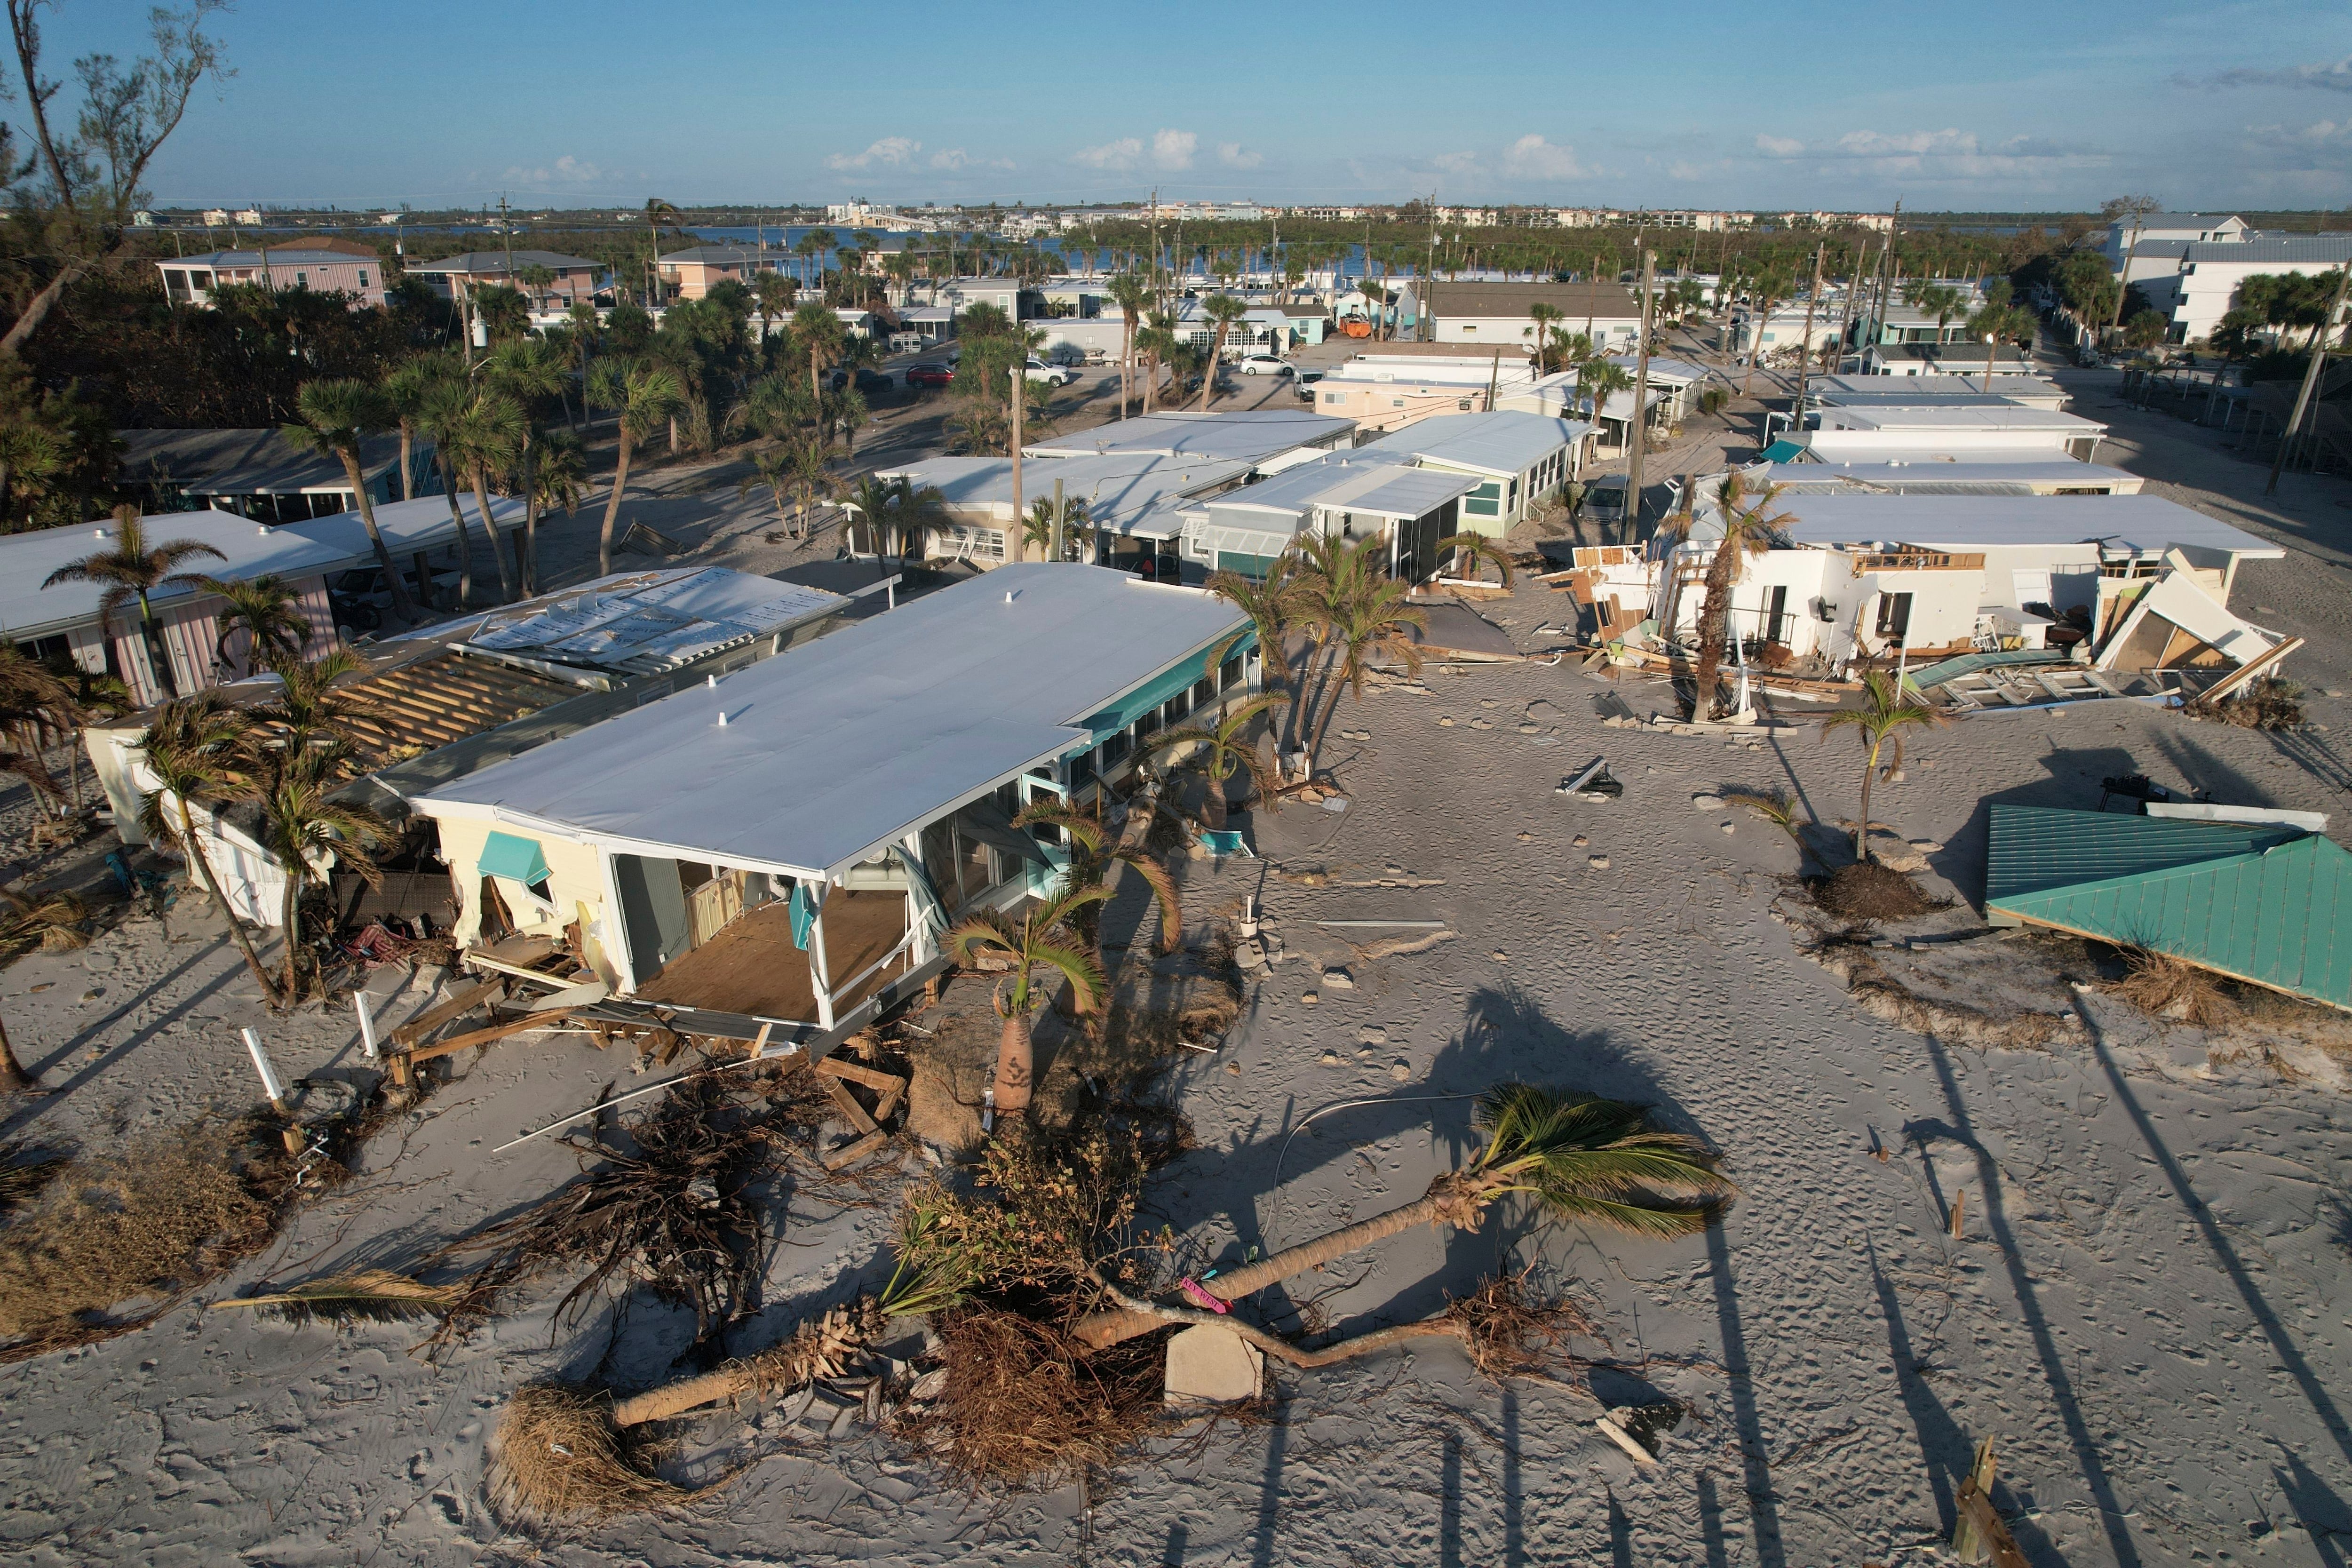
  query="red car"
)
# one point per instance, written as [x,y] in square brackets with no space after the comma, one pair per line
[929,376]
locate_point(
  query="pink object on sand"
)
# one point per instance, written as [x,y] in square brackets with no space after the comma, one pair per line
[1200,1297]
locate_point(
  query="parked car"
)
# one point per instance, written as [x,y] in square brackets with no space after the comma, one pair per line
[1052,375]
[929,376]
[1264,364]
[1309,377]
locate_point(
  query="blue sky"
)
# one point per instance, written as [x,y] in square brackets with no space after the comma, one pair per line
[1994,105]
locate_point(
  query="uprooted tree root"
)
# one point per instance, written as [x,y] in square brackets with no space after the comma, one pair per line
[1025,1406]
[1512,1333]
[560,1459]
[1866,890]
[1882,996]
[2164,986]
[148,1222]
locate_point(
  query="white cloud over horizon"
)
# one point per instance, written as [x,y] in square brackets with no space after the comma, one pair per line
[1173,149]
[890,152]
[2330,75]
[1234,155]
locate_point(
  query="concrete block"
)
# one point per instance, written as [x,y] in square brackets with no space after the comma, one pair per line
[1208,1364]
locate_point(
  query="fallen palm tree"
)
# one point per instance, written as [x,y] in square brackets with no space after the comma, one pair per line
[566,1452]
[1580,1159]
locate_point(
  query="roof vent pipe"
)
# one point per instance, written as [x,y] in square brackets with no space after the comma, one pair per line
[711,681]
[722,718]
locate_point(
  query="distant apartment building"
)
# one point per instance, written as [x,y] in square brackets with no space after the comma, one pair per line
[576,277]
[691,273]
[328,265]
[864,214]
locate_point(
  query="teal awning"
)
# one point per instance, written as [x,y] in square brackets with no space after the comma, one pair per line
[1176,677]
[1780,452]
[516,859]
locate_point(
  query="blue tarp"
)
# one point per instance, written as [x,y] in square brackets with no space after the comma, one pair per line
[516,859]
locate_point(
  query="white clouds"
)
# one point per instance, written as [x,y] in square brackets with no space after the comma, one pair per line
[1119,155]
[1949,154]
[566,171]
[1169,149]
[1533,158]
[954,159]
[1232,156]
[890,152]
[2331,75]
[1457,162]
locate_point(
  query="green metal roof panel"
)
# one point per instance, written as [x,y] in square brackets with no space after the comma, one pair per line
[1970,663]
[1780,452]
[2034,848]
[2277,917]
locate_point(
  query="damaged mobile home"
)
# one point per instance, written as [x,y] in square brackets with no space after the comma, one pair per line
[473,691]
[2123,585]
[773,855]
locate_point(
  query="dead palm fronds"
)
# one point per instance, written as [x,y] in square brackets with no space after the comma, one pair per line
[22,1177]
[54,921]
[1773,806]
[669,1213]
[2168,988]
[559,1459]
[1025,1406]
[357,1296]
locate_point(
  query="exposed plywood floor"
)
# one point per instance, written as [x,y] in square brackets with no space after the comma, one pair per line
[751,967]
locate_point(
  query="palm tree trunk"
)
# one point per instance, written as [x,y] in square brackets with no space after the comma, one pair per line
[491,527]
[464,544]
[1017,1063]
[400,605]
[612,505]
[203,870]
[407,444]
[1861,828]
[14,1078]
[1102,1330]
[157,655]
[293,915]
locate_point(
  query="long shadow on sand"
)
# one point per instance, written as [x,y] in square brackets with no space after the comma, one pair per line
[2029,1302]
[33,1109]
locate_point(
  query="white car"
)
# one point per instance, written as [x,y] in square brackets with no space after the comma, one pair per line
[1055,375]
[1264,364]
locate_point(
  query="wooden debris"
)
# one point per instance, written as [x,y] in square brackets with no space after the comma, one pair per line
[859,1150]
[1980,1534]
[447,1012]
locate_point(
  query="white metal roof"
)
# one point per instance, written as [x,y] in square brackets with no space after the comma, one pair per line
[1117,488]
[2141,523]
[648,621]
[1354,483]
[1673,372]
[1499,443]
[2039,466]
[1241,436]
[832,749]
[2001,416]
[321,544]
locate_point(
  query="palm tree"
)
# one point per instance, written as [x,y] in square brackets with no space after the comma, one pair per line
[1471,550]
[264,609]
[1581,1159]
[911,514]
[808,479]
[441,415]
[334,415]
[1039,940]
[1940,301]
[658,213]
[1373,623]
[1747,530]
[35,704]
[1224,310]
[817,332]
[1881,720]
[53,921]
[404,388]
[1093,856]
[1546,319]
[558,482]
[771,468]
[529,373]
[1376,299]
[1130,292]
[644,397]
[480,439]
[1766,286]
[131,570]
[1217,752]
[302,822]
[1156,343]
[773,293]
[1273,603]
[197,748]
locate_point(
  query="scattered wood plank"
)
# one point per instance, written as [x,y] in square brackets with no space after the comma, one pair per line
[441,1012]
[1980,1532]
[859,1150]
[849,1106]
[872,1078]
[483,1037]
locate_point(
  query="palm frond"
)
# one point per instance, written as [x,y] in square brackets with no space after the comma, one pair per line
[1582,1157]
[974,934]
[358,1296]
[1162,883]
[1076,965]
[1083,826]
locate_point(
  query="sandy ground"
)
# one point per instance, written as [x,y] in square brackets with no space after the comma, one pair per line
[2144,1310]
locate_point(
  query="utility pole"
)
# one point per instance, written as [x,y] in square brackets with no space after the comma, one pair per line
[2304,398]
[1805,354]
[1852,287]
[506,227]
[1020,390]
[2139,208]
[1641,413]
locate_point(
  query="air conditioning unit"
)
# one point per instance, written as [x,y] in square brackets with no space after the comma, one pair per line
[1823,610]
